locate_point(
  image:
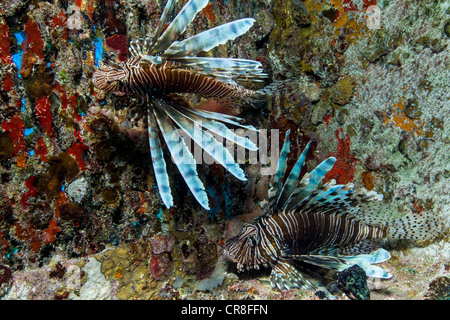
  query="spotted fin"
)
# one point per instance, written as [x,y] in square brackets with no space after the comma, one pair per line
[186,163]
[207,141]
[209,39]
[284,276]
[367,208]
[159,165]
[418,227]
[178,25]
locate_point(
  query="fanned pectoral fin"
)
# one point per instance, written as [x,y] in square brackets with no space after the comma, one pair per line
[285,276]
[235,121]
[186,163]
[207,142]
[159,165]
[341,263]
[217,128]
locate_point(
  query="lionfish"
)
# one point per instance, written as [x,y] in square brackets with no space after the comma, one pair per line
[161,67]
[309,223]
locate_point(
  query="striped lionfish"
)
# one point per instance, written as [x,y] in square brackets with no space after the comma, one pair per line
[326,225]
[160,67]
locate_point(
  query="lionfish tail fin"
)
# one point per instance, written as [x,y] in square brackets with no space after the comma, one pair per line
[367,207]
[415,226]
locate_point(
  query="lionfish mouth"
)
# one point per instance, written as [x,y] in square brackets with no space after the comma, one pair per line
[240,265]
[98,79]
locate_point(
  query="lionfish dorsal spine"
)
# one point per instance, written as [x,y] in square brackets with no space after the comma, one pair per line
[167,12]
[275,190]
[315,177]
[208,39]
[178,25]
[292,179]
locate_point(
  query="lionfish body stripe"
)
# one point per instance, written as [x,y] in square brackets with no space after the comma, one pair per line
[164,79]
[161,67]
[329,226]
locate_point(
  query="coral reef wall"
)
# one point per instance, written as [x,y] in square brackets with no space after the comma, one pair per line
[366,81]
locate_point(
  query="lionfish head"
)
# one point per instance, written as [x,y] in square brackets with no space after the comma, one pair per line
[247,249]
[110,78]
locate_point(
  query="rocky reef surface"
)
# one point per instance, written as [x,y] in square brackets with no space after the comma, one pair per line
[366,81]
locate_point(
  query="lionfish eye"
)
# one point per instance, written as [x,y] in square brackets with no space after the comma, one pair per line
[253,240]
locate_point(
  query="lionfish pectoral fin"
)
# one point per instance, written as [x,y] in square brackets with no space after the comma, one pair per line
[159,165]
[186,163]
[366,262]
[225,118]
[341,263]
[218,128]
[206,141]
[285,276]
